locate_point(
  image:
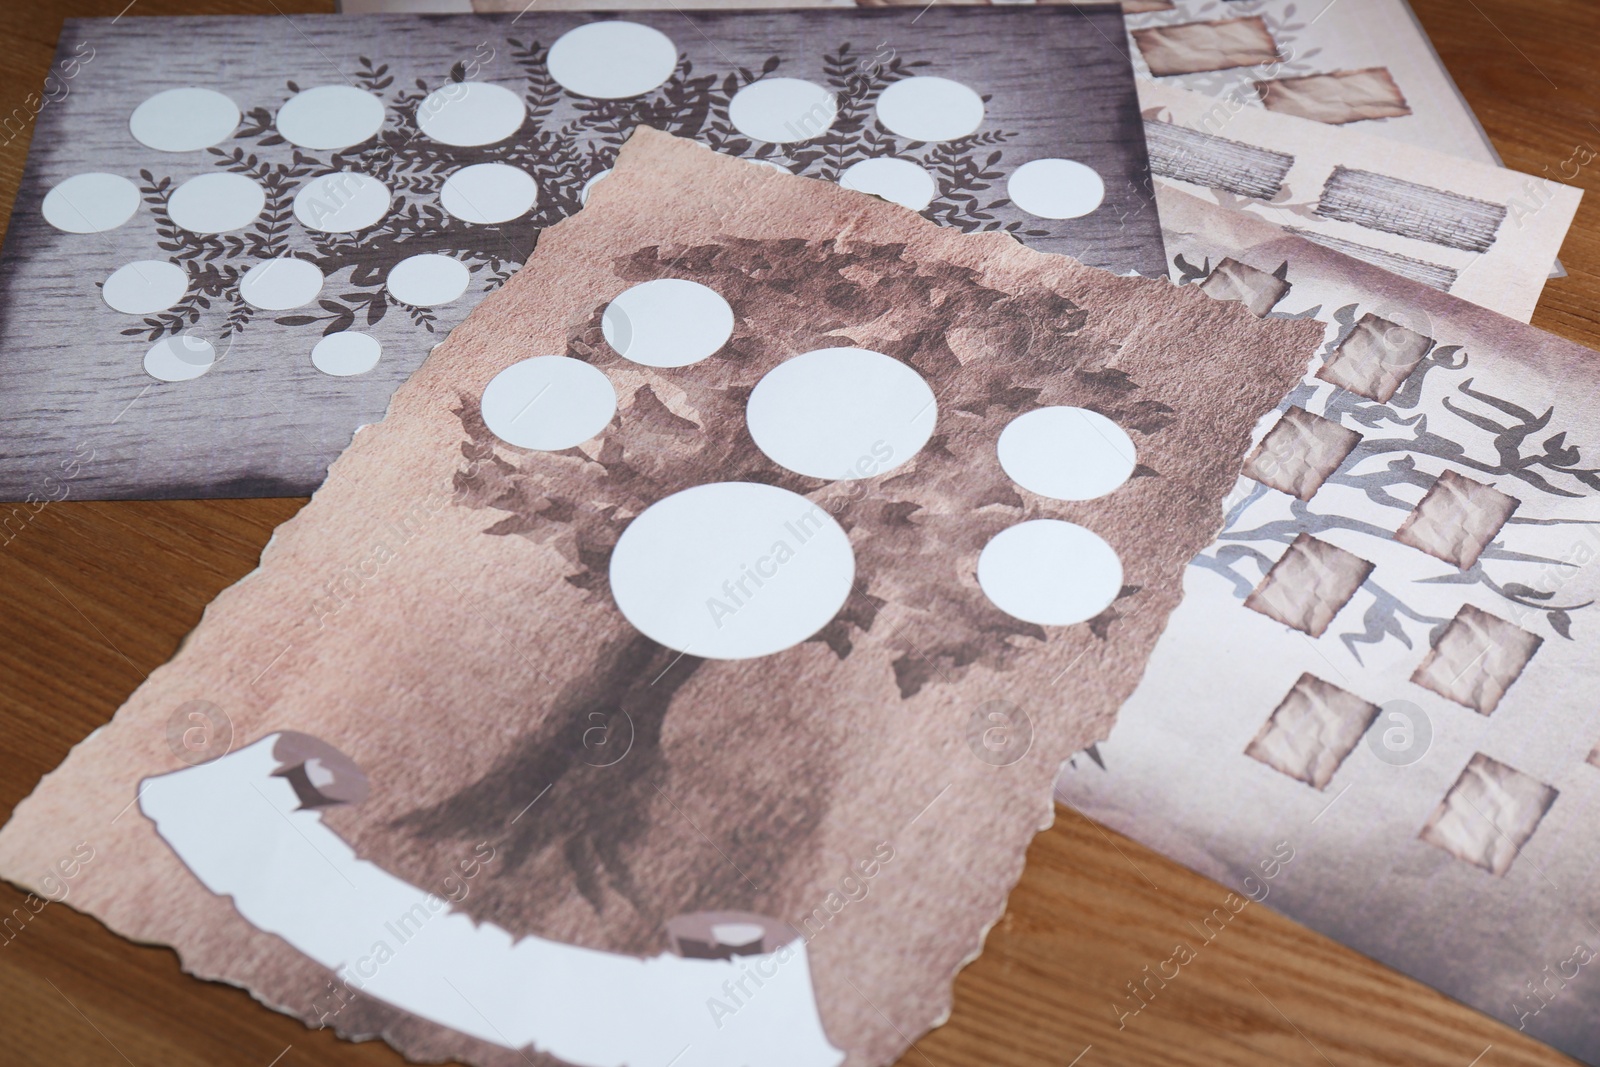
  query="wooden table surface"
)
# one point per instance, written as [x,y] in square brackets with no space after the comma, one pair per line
[99,594]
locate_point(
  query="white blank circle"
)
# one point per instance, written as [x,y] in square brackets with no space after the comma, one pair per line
[612,60]
[91,203]
[330,116]
[782,110]
[487,193]
[281,284]
[1049,572]
[548,403]
[731,570]
[668,322]
[1066,453]
[179,358]
[428,280]
[145,287]
[184,120]
[345,354]
[898,181]
[841,413]
[1056,188]
[343,202]
[216,203]
[930,109]
[471,113]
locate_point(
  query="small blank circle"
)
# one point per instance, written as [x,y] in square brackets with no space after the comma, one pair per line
[91,203]
[612,60]
[145,287]
[1066,453]
[281,284]
[343,202]
[346,354]
[179,358]
[898,181]
[184,120]
[487,193]
[1049,572]
[668,322]
[782,110]
[428,280]
[731,570]
[926,108]
[841,413]
[471,113]
[330,116]
[548,403]
[1056,188]
[216,203]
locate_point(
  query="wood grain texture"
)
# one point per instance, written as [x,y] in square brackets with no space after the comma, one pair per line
[98,594]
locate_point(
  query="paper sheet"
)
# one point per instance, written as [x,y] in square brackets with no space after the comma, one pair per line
[648,682]
[221,264]
[1321,58]
[1373,710]
[1479,232]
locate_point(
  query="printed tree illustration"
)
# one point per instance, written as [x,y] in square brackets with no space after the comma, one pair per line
[1526,446]
[561,154]
[916,530]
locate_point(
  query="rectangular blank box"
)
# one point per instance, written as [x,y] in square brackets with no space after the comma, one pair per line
[1306,587]
[1311,732]
[1194,47]
[1256,289]
[1489,814]
[1337,98]
[1300,452]
[1456,520]
[1477,658]
[1375,358]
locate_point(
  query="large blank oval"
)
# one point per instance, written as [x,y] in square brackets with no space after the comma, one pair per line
[91,203]
[179,358]
[216,203]
[668,322]
[841,413]
[1056,188]
[732,570]
[1049,572]
[343,202]
[927,108]
[548,403]
[280,284]
[487,193]
[1066,453]
[184,120]
[612,60]
[471,113]
[145,287]
[782,110]
[330,116]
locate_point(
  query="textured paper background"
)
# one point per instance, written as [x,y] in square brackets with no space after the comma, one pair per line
[1506,275]
[457,674]
[264,421]
[1499,403]
[1317,37]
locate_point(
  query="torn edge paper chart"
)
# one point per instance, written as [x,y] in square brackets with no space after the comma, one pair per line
[221,264]
[1363,63]
[1374,709]
[1483,233]
[729,588]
